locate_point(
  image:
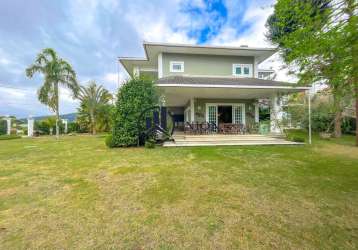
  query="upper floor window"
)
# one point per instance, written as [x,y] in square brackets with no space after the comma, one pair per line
[176,66]
[242,70]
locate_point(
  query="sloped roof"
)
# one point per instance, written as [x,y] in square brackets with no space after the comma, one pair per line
[153,49]
[225,81]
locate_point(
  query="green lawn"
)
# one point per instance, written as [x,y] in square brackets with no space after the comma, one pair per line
[77,194]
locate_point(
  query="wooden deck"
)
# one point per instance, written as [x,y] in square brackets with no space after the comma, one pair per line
[181,140]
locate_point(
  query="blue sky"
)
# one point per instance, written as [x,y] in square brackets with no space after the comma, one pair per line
[91,34]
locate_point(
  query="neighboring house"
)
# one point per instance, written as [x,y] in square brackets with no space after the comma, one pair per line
[214,84]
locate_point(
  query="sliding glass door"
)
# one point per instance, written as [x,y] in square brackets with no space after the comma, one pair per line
[212,113]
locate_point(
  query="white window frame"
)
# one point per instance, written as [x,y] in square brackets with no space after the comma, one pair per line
[174,70]
[237,65]
[243,112]
[207,112]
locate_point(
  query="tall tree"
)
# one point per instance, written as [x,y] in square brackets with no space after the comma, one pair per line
[94,101]
[56,72]
[319,38]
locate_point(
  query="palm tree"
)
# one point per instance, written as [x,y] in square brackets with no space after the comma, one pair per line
[50,122]
[93,98]
[56,71]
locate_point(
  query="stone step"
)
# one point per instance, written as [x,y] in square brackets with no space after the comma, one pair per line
[228,143]
[218,137]
[227,137]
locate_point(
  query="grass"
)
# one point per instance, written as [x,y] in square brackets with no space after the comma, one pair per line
[9,137]
[77,194]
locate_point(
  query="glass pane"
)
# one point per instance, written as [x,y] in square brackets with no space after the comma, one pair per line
[246,70]
[212,114]
[238,70]
[177,67]
[237,111]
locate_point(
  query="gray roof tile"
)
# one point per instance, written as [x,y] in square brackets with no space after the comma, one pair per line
[222,81]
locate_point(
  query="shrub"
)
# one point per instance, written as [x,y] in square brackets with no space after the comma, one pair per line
[149,143]
[109,141]
[3,127]
[9,137]
[133,98]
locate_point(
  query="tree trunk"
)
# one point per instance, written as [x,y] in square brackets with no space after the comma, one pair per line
[337,116]
[93,122]
[57,111]
[352,21]
[338,124]
[357,116]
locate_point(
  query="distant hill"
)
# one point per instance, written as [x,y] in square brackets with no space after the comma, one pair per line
[70,117]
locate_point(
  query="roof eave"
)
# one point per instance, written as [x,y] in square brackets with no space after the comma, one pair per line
[145,43]
[231,86]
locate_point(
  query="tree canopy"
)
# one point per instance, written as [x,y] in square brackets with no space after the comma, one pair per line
[95,106]
[319,39]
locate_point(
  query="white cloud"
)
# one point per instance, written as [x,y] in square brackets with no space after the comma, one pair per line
[113,80]
[111,77]
[255,17]
[25,100]
[66,96]
[5,61]
[159,26]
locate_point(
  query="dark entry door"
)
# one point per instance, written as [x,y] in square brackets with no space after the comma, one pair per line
[225,114]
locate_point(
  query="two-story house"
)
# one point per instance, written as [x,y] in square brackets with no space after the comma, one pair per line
[212,84]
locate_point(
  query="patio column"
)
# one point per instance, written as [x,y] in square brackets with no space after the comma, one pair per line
[257,113]
[275,114]
[30,126]
[8,125]
[192,110]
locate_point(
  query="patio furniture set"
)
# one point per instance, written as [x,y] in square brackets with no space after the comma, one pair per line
[196,128]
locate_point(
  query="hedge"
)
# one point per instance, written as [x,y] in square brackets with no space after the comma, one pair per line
[133,98]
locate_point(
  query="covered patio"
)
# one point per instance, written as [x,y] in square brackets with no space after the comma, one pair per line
[224,105]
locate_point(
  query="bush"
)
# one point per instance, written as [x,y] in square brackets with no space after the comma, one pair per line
[109,141]
[9,137]
[150,143]
[133,98]
[3,126]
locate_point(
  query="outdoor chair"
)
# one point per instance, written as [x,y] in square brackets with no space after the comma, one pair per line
[205,128]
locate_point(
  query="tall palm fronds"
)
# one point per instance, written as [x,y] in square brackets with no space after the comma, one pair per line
[94,99]
[56,72]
